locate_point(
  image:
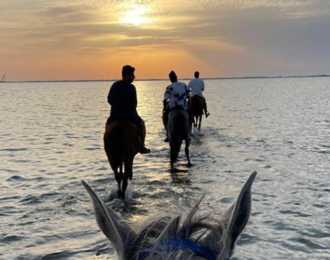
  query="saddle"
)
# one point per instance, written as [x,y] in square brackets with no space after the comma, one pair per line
[196,105]
[196,98]
[124,124]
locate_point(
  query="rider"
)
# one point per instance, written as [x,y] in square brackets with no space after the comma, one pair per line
[176,96]
[123,100]
[196,86]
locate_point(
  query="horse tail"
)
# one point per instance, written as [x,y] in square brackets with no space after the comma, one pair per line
[184,126]
[175,148]
[195,104]
[130,149]
[114,145]
[178,134]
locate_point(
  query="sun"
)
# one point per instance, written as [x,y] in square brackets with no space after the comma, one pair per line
[136,16]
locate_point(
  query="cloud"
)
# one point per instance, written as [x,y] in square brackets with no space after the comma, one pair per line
[251,37]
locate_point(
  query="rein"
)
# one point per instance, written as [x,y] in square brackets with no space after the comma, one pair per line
[183,244]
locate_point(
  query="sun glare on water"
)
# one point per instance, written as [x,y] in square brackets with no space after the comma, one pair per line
[136,16]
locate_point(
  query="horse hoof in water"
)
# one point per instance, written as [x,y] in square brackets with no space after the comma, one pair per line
[112,195]
[120,195]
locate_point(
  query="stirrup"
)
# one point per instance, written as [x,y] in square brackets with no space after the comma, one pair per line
[144,150]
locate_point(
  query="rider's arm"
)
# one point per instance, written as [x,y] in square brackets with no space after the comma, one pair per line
[134,98]
[167,93]
[187,92]
[166,98]
[165,103]
[110,96]
[189,84]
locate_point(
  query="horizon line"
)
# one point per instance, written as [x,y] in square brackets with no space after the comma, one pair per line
[155,79]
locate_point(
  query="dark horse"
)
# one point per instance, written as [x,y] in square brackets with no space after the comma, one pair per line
[121,143]
[196,106]
[178,130]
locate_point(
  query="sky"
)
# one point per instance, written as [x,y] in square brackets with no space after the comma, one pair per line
[93,39]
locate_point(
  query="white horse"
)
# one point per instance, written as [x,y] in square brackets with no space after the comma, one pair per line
[174,237]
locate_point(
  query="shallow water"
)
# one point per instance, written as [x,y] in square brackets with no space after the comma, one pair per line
[51,138]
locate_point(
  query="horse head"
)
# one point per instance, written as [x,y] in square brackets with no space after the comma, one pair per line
[174,236]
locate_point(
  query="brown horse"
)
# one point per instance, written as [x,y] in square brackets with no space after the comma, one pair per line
[121,143]
[196,106]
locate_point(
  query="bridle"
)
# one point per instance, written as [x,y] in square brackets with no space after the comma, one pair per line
[183,244]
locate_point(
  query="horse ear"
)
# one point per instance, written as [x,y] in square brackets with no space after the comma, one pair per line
[114,227]
[237,217]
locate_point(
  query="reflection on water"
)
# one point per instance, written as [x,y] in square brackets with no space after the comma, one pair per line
[51,138]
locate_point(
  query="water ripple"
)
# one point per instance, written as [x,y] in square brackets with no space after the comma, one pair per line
[53,139]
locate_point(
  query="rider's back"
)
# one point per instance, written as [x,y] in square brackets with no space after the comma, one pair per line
[123,100]
[196,87]
[178,94]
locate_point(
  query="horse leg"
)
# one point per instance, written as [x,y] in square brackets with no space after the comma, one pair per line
[119,178]
[205,107]
[124,186]
[174,154]
[187,153]
[127,175]
[172,157]
[200,123]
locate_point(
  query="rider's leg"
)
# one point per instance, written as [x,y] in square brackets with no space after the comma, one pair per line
[142,131]
[205,108]
[165,121]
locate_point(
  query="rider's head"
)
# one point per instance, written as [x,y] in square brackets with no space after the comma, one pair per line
[196,74]
[128,73]
[173,77]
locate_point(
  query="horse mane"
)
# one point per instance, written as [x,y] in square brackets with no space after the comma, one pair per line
[177,235]
[157,230]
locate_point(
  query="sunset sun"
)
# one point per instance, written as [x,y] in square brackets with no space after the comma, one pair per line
[136,16]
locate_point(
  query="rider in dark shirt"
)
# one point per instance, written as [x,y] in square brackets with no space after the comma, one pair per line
[123,100]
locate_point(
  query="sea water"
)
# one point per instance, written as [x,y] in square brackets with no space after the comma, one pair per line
[51,138]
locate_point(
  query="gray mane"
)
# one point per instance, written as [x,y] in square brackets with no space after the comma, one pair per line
[189,226]
[217,236]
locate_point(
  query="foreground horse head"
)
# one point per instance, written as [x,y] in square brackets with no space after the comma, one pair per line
[121,143]
[196,106]
[178,130]
[174,237]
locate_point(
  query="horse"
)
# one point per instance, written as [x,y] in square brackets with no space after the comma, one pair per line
[121,143]
[178,129]
[175,236]
[196,106]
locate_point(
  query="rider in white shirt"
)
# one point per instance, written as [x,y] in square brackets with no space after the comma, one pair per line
[176,96]
[196,87]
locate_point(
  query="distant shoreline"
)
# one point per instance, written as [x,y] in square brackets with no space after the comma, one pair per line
[110,80]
